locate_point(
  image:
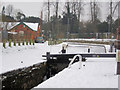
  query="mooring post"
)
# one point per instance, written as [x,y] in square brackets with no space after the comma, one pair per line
[48,65]
[88,49]
[111,46]
[48,56]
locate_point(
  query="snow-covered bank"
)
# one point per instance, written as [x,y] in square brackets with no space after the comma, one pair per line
[92,39]
[75,47]
[22,56]
[97,73]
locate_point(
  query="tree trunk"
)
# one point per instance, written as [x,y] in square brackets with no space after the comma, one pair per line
[57,9]
[48,11]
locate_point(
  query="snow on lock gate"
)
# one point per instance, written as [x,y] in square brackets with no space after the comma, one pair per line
[57,62]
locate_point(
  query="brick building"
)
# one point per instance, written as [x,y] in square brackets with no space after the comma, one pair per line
[24,31]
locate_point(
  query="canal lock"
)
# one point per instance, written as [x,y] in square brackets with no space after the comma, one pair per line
[29,77]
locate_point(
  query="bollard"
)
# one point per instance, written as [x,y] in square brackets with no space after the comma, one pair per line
[111,48]
[48,65]
[118,62]
[48,56]
[89,50]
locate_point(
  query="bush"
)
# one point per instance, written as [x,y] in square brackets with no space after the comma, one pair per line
[26,42]
[10,43]
[4,44]
[14,43]
[33,42]
[30,42]
[18,43]
[23,43]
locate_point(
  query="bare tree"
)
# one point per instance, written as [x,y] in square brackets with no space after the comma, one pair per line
[47,5]
[56,7]
[48,10]
[20,16]
[91,10]
[56,20]
[112,9]
[80,9]
[95,11]
[74,5]
[3,10]
[110,17]
[9,10]
[76,8]
[16,14]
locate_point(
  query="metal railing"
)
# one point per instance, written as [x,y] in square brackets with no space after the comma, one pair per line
[80,61]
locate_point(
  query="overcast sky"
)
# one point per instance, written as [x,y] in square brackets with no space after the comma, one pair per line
[34,7]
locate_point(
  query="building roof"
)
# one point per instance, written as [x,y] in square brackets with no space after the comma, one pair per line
[33,26]
[12,24]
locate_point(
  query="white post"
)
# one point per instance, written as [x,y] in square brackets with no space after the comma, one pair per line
[118,61]
[80,61]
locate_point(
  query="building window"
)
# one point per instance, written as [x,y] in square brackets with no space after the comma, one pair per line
[21,33]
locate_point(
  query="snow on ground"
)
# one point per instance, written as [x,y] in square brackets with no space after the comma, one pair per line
[22,56]
[92,39]
[81,48]
[97,73]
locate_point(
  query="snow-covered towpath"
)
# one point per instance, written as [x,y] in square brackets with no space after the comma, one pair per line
[22,56]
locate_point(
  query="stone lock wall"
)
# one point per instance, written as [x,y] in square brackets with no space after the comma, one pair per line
[29,77]
[25,78]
